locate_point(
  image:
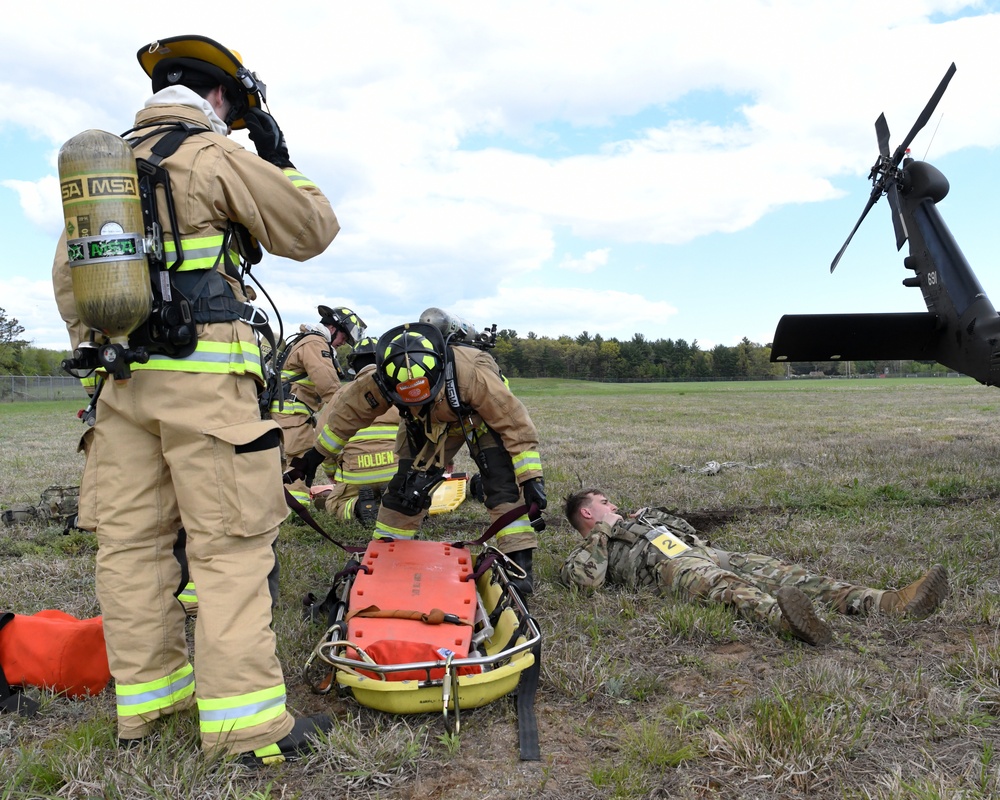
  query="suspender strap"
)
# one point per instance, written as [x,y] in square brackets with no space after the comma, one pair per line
[306,517]
[501,522]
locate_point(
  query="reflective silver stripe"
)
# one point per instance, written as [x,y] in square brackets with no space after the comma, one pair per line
[155,694]
[223,714]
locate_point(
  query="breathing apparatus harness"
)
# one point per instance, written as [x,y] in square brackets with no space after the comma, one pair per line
[181,300]
[279,389]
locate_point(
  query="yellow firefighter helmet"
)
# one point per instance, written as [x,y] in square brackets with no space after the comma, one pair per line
[200,61]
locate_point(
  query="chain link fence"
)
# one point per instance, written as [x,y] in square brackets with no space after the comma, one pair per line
[19,388]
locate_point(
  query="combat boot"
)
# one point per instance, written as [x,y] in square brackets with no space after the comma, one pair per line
[366,507]
[920,598]
[297,743]
[798,613]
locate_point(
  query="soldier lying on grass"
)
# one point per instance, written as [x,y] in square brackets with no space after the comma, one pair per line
[656,549]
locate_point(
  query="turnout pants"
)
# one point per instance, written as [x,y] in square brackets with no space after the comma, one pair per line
[188,449]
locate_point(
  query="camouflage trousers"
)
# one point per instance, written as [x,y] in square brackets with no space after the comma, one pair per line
[747,583]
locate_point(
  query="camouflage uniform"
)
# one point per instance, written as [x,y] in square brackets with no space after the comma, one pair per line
[691,568]
[58,504]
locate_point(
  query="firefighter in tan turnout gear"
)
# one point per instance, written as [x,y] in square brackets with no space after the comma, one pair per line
[367,462]
[439,416]
[310,377]
[181,441]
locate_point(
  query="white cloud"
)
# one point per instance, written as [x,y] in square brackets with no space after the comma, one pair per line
[40,202]
[589,263]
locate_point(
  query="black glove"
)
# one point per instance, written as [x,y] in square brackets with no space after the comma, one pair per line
[304,467]
[476,488]
[534,499]
[534,493]
[267,138]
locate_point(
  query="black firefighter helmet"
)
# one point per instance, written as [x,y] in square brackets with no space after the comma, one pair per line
[350,323]
[410,363]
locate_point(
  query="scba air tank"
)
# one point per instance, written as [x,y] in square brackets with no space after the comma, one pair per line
[449,325]
[104,232]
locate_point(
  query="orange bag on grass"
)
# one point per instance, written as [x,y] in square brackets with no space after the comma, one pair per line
[54,650]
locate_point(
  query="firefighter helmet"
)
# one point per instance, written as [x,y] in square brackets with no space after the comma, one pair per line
[350,323]
[197,61]
[410,363]
[363,354]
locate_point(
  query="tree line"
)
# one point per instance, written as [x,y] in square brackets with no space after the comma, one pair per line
[584,357]
[587,357]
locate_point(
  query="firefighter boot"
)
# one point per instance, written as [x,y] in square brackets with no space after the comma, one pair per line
[920,598]
[525,585]
[366,507]
[803,622]
[295,744]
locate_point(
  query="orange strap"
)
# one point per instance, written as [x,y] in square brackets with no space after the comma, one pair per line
[434,617]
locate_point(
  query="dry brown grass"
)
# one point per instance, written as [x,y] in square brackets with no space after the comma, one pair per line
[870,481]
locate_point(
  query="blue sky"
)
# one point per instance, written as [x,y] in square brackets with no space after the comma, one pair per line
[679,170]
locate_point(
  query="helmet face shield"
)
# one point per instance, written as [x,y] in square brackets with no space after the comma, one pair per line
[410,363]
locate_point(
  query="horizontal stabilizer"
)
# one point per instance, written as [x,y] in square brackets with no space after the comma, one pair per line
[856,337]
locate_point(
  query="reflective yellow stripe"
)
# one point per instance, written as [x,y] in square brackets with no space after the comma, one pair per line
[383,475]
[290,407]
[519,525]
[238,358]
[200,252]
[241,711]
[330,442]
[90,382]
[297,178]
[303,497]
[376,433]
[384,531]
[528,461]
[136,699]
[349,508]
[188,594]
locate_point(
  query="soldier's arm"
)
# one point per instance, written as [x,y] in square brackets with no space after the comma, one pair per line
[586,566]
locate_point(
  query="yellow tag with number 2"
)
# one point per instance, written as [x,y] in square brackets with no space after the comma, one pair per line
[668,544]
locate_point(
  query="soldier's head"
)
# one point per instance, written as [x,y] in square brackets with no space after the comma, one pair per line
[344,325]
[587,507]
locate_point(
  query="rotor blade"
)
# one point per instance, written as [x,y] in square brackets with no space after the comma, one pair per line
[876,194]
[882,134]
[925,115]
[897,218]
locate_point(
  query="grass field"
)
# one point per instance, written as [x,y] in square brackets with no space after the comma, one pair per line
[641,697]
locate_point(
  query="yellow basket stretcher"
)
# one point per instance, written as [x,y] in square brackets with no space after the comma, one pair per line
[425,627]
